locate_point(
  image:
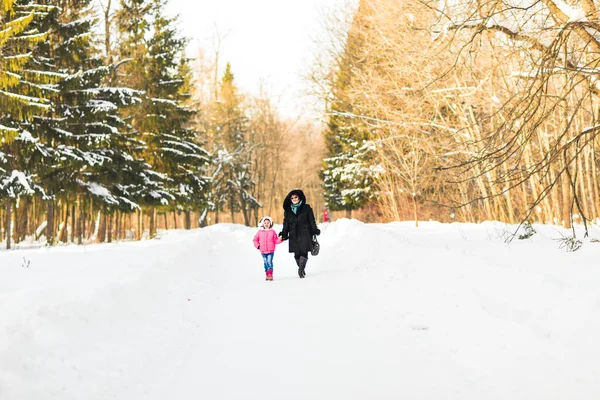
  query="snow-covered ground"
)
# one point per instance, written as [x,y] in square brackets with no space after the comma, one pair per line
[387,311]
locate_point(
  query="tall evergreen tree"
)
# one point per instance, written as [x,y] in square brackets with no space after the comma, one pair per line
[172,144]
[68,132]
[21,89]
[233,175]
[84,136]
[134,28]
[349,170]
[24,94]
[155,65]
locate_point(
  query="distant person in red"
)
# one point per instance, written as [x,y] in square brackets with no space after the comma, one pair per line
[325,215]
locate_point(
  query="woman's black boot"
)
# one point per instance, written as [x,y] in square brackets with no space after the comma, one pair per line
[301,266]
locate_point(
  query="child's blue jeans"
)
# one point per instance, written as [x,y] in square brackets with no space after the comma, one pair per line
[268,259]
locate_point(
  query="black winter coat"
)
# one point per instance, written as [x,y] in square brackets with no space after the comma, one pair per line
[298,228]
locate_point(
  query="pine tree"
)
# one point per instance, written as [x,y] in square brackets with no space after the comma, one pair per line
[192,170]
[116,176]
[76,129]
[349,176]
[83,135]
[233,176]
[155,65]
[21,89]
[133,26]
[172,144]
[24,91]
[349,172]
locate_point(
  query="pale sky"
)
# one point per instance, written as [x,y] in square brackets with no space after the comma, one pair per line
[268,40]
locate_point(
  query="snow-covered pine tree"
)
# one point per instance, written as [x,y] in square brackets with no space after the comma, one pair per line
[154,64]
[16,177]
[349,174]
[21,89]
[221,163]
[121,181]
[23,94]
[74,130]
[233,174]
[89,149]
[172,145]
[113,174]
[133,28]
[349,170]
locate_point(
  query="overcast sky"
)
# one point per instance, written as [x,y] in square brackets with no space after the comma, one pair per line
[267,40]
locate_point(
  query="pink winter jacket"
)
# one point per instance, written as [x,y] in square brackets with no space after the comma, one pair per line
[265,240]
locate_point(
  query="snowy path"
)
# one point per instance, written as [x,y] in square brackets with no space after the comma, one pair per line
[386,312]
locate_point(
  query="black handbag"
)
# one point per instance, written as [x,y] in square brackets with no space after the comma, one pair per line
[315,246]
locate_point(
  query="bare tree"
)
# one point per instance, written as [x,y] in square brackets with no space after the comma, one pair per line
[499,99]
[547,117]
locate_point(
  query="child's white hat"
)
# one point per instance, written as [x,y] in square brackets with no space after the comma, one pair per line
[263,220]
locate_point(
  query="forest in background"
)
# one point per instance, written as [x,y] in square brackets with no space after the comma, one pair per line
[110,132]
[463,110]
[447,110]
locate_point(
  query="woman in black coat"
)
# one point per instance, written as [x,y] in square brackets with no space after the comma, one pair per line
[299,226]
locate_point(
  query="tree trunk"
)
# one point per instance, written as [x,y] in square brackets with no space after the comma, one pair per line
[16,216]
[62,235]
[509,205]
[188,219]
[203,218]
[50,223]
[152,228]
[117,226]
[24,219]
[415,211]
[107,32]
[593,182]
[31,221]
[73,221]
[3,220]
[581,174]
[109,229]
[140,226]
[7,223]
[90,230]
[566,201]
[102,228]
[348,213]
[591,198]
[120,226]
[80,221]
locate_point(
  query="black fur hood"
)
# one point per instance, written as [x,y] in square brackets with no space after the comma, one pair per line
[288,201]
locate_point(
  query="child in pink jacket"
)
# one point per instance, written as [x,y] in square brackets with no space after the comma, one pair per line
[265,240]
